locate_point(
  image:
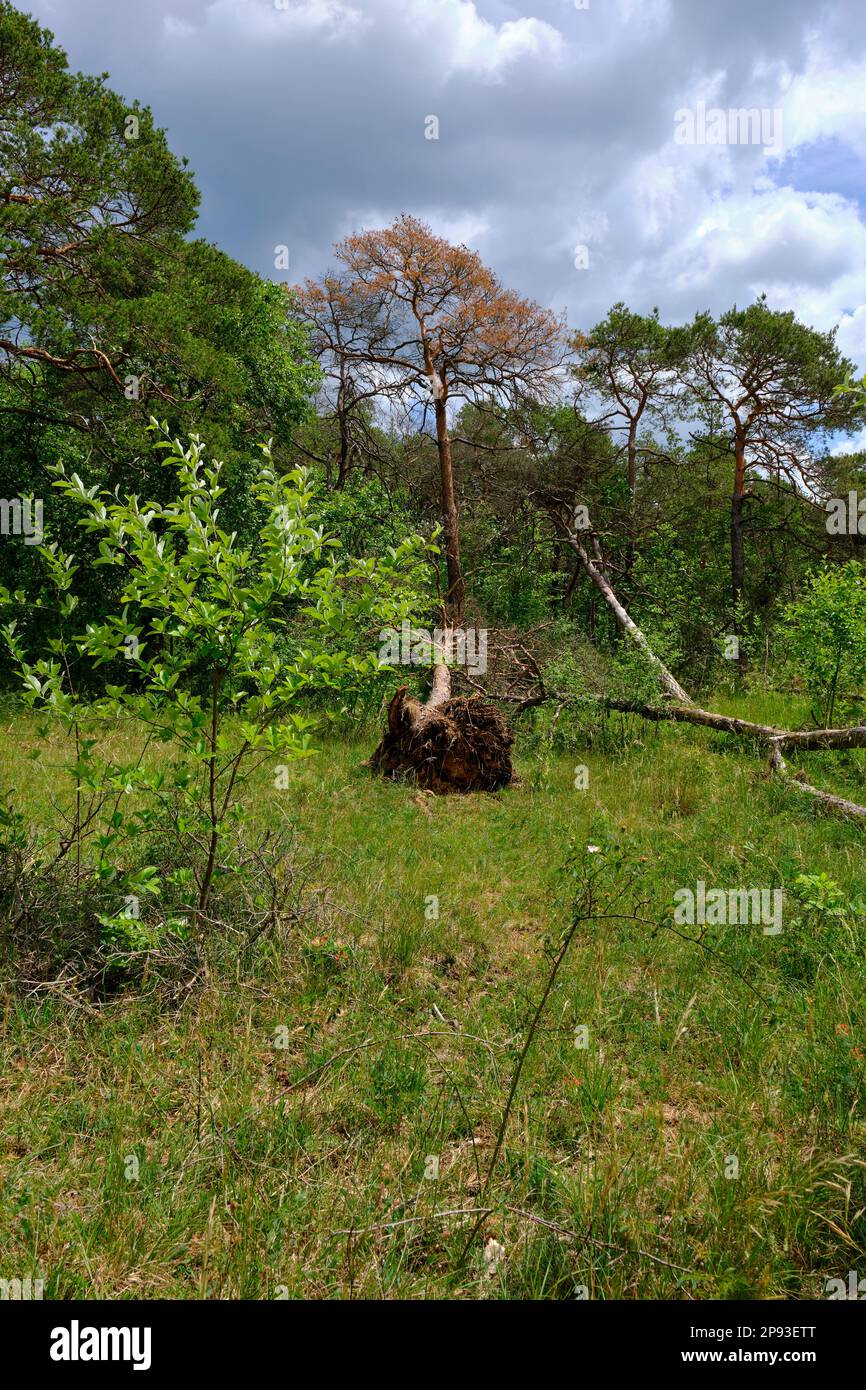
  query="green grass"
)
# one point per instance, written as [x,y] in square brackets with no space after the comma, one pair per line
[299,1171]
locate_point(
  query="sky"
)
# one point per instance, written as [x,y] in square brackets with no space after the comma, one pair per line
[567,149]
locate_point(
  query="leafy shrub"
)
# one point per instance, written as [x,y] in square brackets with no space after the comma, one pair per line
[827,638]
[222,642]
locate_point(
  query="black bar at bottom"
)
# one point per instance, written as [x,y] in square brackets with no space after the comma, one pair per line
[152,1338]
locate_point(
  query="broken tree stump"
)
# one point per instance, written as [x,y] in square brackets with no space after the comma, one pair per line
[445,744]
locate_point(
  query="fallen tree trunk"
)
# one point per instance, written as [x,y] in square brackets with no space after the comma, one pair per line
[445,744]
[854,736]
[833,803]
[687,712]
[775,740]
[808,740]
[693,714]
[625,623]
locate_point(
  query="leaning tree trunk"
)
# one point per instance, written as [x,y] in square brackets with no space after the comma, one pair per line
[446,744]
[624,621]
[738,544]
[450,519]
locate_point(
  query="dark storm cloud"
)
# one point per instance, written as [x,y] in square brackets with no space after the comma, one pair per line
[556,130]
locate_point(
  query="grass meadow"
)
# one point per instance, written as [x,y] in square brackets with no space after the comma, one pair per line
[313,1111]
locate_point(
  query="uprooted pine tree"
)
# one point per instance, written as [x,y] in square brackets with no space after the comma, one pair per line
[445,744]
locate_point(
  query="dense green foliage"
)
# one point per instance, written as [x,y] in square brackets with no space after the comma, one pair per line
[109,314]
[220,641]
[827,639]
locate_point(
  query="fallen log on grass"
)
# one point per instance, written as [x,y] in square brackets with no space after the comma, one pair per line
[685,711]
[833,803]
[809,740]
[773,738]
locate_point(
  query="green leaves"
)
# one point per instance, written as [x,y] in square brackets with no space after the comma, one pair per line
[95,201]
[220,643]
[108,310]
[827,637]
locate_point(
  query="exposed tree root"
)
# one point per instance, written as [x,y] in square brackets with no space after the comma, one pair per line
[445,745]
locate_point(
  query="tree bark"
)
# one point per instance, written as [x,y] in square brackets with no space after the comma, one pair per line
[343,452]
[775,740]
[440,691]
[833,803]
[450,518]
[631,455]
[738,541]
[808,740]
[625,623]
[691,714]
[687,712]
